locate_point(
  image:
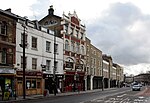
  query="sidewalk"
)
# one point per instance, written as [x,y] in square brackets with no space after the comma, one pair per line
[32,97]
[145,92]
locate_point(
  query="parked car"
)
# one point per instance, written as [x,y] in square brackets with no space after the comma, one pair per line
[136,87]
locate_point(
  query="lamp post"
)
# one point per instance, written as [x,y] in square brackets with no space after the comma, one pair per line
[102,77]
[24,59]
[54,70]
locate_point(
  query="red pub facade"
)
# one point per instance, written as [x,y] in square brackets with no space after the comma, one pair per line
[70,29]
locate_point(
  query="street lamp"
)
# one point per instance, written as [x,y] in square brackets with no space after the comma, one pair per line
[23,45]
[102,77]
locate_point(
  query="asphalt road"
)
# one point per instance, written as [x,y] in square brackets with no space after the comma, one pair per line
[125,97]
[94,97]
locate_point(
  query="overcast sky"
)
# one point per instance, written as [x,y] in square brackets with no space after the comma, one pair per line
[119,28]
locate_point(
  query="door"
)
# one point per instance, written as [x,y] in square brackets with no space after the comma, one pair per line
[20,88]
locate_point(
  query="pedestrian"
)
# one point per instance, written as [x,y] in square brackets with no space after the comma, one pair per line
[54,88]
[10,91]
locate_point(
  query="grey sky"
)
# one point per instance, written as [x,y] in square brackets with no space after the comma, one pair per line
[122,32]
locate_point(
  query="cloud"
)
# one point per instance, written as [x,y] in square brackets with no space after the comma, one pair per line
[122,32]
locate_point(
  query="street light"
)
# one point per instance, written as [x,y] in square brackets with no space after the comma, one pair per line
[24,59]
[102,77]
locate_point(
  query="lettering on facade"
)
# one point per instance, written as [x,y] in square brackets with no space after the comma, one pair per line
[79,66]
[30,73]
[69,65]
[7,70]
[50,23]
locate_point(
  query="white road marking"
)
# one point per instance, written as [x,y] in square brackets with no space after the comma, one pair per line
[121,95]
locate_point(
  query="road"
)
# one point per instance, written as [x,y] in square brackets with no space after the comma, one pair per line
[117,95]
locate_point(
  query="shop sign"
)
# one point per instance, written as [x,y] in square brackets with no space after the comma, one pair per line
[59,76]
[69,65]
[7,70]
[79,66]
[30,73]
[47,76]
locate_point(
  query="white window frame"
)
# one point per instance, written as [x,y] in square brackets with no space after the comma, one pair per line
[48,46]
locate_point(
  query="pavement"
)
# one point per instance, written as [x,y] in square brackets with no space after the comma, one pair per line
[145,92]
[32,97]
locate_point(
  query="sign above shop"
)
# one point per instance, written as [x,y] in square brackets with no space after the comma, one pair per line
[30,73]
[7,71]
[51,76]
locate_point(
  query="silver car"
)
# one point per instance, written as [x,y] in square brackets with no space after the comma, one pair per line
[136,87]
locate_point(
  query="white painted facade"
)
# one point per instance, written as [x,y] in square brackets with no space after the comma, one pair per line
[40,53]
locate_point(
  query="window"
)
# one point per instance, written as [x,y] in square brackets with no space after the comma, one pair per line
[3,28]
[71,31]
[82,48]
[77,33]
[56,65]
[66,29]
[66,45]
[48,46]
[34,42]
[78,48]
[3,54]
[56,48]
[34,63]
[81,36]
[30,83]
[22,62]
[22,39]
[72,46]
[94,52]
[38,84]
[48,63]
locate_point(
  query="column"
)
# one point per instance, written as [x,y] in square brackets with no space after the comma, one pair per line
[91,81]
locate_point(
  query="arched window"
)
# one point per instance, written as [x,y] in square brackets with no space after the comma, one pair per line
[66,45]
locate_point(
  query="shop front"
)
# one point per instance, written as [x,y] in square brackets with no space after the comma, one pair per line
[97,82]
[74,81]
[7,83]
[33,82]
[49,81]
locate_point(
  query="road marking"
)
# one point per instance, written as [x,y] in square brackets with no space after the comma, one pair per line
[141,97]
[121,95]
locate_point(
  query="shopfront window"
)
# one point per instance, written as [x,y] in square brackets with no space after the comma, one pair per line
[30,83]
[38,84]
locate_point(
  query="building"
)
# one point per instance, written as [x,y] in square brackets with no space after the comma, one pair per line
[143,78]
[69,28]
[7,50]
[93,66]
[119,75]
[105,73]
[39,57]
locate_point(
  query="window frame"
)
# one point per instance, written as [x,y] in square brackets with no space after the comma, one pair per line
[34,42]
[48,46]
[34,63]
[3,28]
[48,64]
[66,45]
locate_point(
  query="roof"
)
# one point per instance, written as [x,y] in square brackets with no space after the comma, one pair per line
[12,15]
